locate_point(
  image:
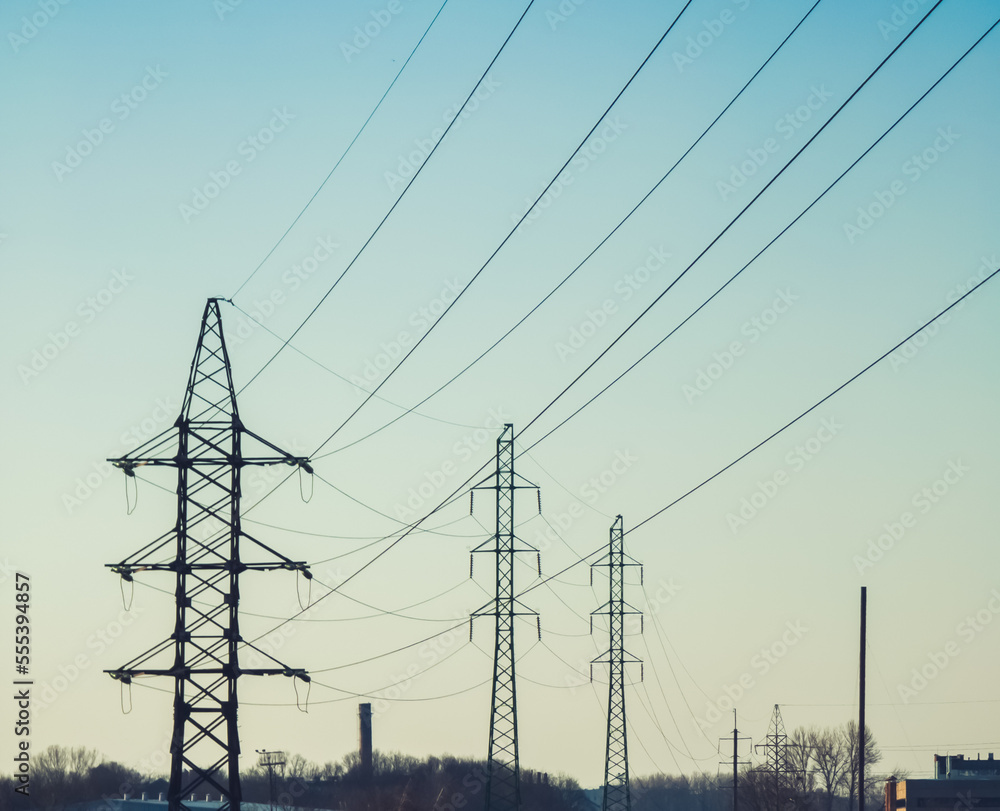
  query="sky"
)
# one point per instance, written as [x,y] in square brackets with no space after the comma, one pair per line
[155,155]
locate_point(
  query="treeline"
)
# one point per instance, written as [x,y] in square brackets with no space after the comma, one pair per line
[403,783]
[817,771]
[62,776]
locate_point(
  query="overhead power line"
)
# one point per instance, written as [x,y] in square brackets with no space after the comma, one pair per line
[451,498]
[470,479]
[506,239]
[817,404]
[756,256]
[448,308]
[460,624]
[732,222]
[343,154]
[783,428]
[589,256]
[392,208]
[343,378]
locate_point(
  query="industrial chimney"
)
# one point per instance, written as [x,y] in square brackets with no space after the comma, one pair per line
[365,740]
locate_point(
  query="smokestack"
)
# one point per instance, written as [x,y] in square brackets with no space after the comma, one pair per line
[365,739]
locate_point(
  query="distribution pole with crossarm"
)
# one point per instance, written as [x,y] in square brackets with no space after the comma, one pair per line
[207,447]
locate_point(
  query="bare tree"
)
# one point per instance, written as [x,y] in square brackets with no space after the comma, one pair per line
[298,767]
[52,762]
[830,759]
[61,773]
[802,779]
[81,760]
[872,756]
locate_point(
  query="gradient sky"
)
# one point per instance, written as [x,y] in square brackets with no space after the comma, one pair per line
[118,115]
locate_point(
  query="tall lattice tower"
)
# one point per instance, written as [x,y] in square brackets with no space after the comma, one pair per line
[206,446]
[503,783]
[617,795]
[777,763]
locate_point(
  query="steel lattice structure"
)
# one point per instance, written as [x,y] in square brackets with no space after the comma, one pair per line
[776,761]
[503,783]
[206,446]
[617,795]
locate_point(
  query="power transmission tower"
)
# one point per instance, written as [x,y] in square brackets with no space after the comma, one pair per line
[617,795]
[776,762]
[736,761]
[503,782]
[206,446]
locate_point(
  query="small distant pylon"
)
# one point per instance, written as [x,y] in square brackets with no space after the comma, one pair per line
[503,781]
[206,445]
[776,761]
[617,794]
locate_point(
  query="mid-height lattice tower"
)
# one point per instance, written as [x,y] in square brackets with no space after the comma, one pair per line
[207,544]
[617,795]
[503,782]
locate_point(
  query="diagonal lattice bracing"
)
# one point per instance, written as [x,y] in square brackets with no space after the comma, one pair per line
[503,791]
[778,765]
[617,795]
[206,545]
